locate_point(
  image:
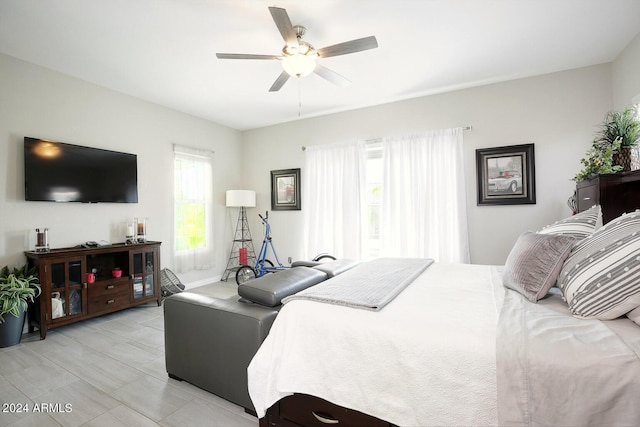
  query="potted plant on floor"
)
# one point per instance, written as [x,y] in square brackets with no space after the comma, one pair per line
[623,126]
[18,287]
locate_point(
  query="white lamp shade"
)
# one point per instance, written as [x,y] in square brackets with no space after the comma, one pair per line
[240,198]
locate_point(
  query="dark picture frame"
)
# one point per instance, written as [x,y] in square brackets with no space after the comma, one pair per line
[285,190]
[506,175]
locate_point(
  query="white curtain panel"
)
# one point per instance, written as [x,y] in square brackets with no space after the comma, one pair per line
[194,186]
[333,181]
[424,197]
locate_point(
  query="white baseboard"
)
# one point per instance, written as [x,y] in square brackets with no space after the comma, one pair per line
[203,282]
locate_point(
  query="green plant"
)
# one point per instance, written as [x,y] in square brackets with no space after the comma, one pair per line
[599,160]
[17,287]
[623,125]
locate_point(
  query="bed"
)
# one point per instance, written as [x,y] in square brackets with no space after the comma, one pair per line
[458,346]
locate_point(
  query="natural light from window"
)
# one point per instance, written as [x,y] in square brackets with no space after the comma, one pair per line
[193,204]
[190,208]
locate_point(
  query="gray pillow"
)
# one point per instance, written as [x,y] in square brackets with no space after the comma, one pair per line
[534,263]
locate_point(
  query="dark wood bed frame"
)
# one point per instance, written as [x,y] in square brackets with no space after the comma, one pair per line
[303,410]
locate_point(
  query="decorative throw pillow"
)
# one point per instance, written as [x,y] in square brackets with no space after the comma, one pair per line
[601,277]
[534,263]
[580,225]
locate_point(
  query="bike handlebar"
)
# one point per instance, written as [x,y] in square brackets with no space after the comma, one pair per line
[264,218]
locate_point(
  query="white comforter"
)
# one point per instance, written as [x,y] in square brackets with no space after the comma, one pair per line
[427,358]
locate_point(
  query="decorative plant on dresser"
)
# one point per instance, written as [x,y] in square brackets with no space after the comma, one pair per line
[18,287]
[610,152]
[608,177]
[622,126]
[598,160]
[79,283]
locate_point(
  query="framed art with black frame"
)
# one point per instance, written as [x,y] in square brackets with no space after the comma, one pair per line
[285,190]
[506,175]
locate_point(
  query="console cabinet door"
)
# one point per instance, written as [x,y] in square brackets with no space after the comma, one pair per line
[145,274]
[65,288]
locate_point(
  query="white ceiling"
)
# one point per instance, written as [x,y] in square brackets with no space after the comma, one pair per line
[164,51]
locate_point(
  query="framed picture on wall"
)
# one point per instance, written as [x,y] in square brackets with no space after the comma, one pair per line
[506,175]
[285,190]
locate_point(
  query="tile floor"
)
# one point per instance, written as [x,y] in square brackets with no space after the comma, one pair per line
[106,371]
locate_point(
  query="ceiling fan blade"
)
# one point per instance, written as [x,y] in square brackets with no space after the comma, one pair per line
[331,76]
[245,56]
[281,18]
[352,46]
[280,81]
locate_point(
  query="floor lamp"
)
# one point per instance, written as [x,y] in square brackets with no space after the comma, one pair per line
[242,252]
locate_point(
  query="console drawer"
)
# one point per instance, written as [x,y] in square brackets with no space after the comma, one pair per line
[110,300]
[108,287]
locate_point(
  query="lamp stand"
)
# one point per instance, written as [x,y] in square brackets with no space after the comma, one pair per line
[242,239]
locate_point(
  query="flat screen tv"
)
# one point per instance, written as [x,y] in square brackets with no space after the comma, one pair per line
[59,172]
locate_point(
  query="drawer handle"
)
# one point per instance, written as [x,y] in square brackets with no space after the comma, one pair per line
[587,198]
[111,301]
[325,419]
[110,287]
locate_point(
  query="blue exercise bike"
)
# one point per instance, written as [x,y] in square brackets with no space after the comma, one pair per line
[264,265]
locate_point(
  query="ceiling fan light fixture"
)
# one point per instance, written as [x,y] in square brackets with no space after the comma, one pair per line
[299,57]
[298,65]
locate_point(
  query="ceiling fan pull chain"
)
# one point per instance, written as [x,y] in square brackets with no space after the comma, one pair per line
[299,96]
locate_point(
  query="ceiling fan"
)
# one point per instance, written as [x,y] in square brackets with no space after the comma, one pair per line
[299,57]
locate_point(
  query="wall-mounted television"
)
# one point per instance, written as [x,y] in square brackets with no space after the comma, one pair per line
[60,172]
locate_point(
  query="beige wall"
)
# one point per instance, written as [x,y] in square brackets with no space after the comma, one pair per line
[557,112]
[44,104]
[626,76]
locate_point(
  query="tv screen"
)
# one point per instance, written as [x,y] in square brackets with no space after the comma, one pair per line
[59,172]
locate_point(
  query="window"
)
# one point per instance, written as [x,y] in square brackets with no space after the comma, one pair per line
[192,209]
[396,197]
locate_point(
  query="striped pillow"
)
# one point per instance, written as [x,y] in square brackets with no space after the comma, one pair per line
[601,277]
[580,225]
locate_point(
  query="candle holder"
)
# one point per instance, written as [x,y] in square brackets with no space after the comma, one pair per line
[130,233]
[42,240]
[141,230]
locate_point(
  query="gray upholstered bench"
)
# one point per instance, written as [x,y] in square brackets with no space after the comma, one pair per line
[210,341]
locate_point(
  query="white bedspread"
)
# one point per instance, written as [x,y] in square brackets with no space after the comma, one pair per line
[427,358]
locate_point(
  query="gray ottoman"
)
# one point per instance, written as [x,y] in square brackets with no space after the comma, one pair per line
[210,341]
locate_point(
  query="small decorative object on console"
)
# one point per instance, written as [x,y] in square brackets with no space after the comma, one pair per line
[141,229]
[130,233]
[42,240]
